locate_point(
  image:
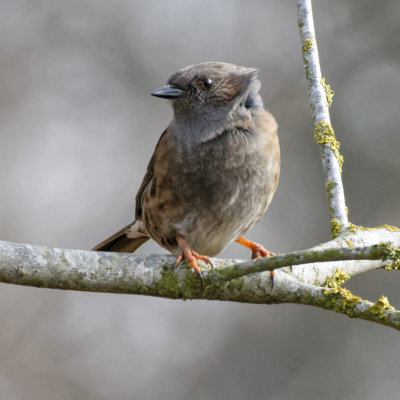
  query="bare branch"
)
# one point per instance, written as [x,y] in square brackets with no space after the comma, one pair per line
[324,134]
[314,255]
[30,265]
[231,280]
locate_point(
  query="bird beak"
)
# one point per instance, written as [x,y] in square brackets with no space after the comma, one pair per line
[169,92]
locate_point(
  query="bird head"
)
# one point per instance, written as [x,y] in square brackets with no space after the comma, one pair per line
[211,96]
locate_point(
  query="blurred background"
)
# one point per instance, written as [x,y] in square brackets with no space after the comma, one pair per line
[77,128]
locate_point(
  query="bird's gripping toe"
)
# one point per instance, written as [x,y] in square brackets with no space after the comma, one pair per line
[190,255]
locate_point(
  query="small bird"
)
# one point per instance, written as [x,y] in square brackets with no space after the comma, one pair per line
[214,170]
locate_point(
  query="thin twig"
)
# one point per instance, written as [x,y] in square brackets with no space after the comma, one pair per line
[380,251]
[343,301]
[324,134]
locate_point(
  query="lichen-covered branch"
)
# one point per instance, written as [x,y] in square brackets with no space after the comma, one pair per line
[320,96]
[336,298]
[381,251]
[300,277]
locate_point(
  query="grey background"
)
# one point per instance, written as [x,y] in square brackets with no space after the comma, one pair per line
[77,128]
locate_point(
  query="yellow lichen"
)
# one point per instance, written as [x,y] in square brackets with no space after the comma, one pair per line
[390,227]
[338,298]
[379,308]
[335,227]
[307,44]
[394,265]
[330,185]
[353,227]
[328,91]
[350,243]
[384,226]
[329,191]
[324,133]
[392,253]
[334,281]
[342,300]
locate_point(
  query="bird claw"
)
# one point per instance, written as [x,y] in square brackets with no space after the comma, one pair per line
[257,250]
[191,256]
[203,258]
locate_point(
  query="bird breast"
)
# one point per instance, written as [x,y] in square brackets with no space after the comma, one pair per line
[217,191]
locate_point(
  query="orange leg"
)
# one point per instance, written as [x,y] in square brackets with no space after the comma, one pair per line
[257,250]
[190,255]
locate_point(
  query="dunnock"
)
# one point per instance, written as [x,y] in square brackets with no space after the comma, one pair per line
[214,169]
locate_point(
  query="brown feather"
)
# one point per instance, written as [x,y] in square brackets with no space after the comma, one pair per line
[119,242]
[147,178]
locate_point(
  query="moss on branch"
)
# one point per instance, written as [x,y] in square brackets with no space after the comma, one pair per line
[324,133]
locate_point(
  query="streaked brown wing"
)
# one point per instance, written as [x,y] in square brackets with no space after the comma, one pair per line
[147,179]
[120,242]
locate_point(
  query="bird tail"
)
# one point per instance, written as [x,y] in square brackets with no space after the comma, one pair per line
[120,242]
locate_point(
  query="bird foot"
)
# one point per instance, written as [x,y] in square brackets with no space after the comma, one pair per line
[257,250]
[190,255]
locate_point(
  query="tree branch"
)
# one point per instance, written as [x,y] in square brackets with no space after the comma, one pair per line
[230,280]
[324,134]
[354,253]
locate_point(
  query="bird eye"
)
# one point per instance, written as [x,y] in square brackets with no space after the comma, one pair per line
[206,83]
